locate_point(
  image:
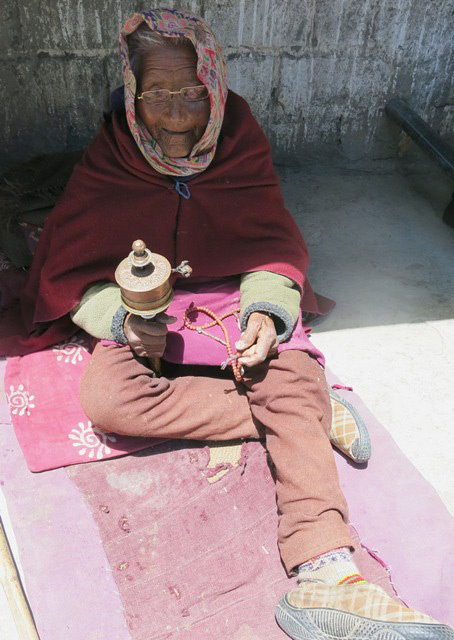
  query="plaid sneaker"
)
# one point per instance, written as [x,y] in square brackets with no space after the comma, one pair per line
[348,432]
[314,611]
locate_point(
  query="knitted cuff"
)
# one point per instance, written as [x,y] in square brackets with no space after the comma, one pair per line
[117,326]
[283,321]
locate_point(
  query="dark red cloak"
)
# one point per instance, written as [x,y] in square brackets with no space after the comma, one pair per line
[234,222]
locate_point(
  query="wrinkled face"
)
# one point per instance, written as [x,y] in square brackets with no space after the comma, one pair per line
[177,124]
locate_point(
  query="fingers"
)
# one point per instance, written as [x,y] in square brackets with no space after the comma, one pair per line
[146,338]
[248,357]
[141,326]
[164,318]
[152,349]
[249,337]
[151,346]
[259,351]
[147,352]
[258,342]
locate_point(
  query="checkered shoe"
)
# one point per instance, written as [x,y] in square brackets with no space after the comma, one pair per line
[348,432]
[315,611]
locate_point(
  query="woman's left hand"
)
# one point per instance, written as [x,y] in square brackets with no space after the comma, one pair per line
[258,342]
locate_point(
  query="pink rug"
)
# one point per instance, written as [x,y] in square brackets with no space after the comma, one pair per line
[190,559]
[176,556]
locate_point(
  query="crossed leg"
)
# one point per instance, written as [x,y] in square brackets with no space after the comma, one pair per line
[285,398]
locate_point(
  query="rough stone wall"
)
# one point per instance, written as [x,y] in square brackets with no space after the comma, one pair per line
[317,73]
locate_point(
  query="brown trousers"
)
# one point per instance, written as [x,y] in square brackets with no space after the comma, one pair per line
[285,398]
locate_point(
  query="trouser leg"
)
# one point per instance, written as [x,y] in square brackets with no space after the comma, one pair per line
[121,395]
[289,396]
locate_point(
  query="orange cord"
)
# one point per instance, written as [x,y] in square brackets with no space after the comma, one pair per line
[217,320]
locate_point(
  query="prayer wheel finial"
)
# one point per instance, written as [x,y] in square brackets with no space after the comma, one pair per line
[140,254]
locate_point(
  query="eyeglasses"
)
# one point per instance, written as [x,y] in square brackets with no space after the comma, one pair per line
[160,96]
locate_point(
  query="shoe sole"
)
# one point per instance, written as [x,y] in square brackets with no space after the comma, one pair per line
[305,624]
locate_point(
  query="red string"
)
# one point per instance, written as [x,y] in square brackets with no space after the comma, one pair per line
[217,320]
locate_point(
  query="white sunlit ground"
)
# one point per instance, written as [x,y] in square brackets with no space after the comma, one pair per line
[380,249]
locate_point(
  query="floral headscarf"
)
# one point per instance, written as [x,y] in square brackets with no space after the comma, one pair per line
[211,71]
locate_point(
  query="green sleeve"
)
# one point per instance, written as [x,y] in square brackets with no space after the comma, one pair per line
[260,291]
[270,293]
[95,312]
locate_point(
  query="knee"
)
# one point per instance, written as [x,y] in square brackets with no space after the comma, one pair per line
[118,394]
[100,399]
[96,405]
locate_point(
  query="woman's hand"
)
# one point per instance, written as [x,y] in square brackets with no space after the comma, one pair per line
[259,341]
[147,338]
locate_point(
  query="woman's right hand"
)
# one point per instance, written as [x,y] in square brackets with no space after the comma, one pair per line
[147,338]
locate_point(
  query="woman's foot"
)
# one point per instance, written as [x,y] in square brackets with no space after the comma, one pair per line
[319,611]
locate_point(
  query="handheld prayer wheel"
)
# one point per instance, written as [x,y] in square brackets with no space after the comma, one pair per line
[144,281]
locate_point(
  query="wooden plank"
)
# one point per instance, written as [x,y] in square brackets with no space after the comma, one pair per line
[12,587]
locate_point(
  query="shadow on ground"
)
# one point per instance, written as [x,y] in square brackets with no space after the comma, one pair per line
[377,243]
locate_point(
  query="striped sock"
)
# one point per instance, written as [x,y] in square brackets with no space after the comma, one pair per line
[333,567]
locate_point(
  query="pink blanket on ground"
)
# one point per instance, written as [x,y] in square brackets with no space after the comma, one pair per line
[171,554]
[175,556]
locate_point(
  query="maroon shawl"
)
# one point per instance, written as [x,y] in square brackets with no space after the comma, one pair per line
[234,222]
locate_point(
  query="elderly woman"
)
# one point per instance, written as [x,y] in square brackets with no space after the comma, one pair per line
[183,164]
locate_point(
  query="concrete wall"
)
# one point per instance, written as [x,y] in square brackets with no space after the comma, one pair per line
[316,72]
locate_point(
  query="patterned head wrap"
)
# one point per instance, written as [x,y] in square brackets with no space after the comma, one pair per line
[211,71]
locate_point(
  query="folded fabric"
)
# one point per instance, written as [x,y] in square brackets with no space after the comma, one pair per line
[42,390]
